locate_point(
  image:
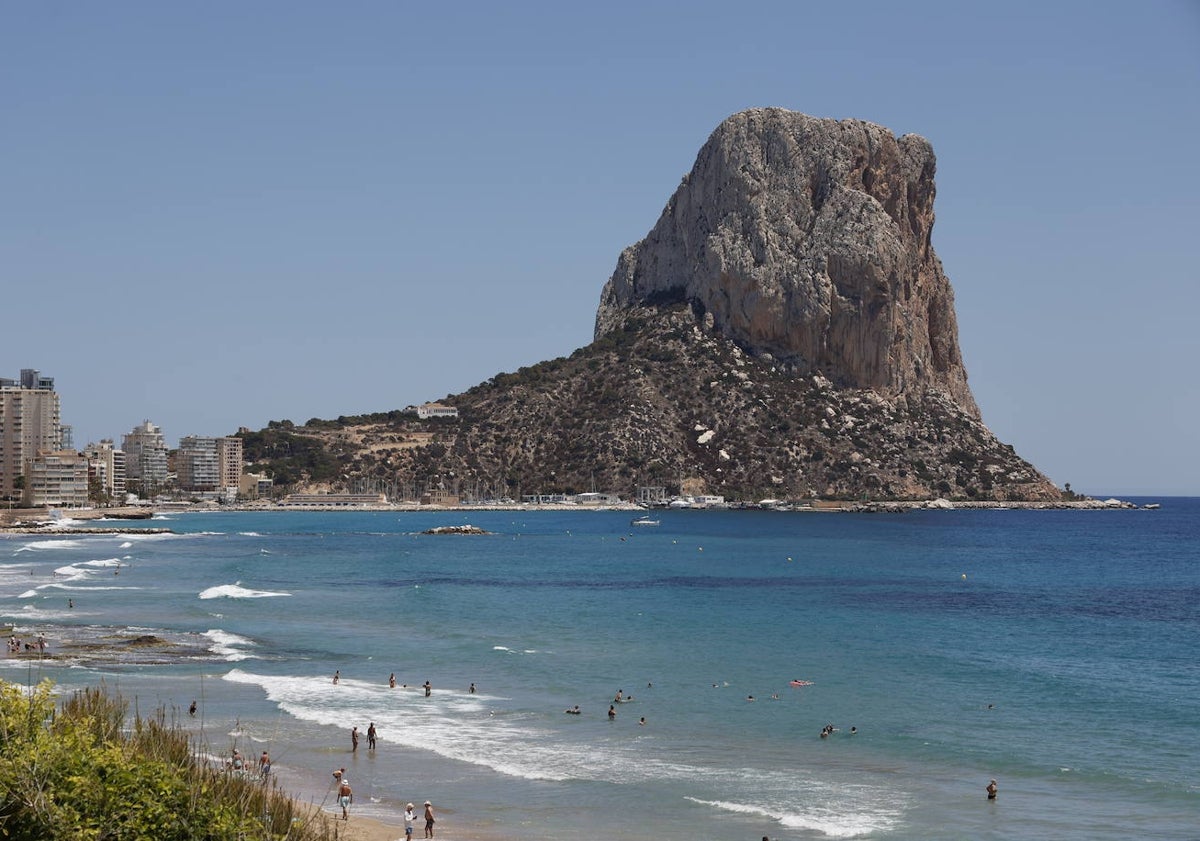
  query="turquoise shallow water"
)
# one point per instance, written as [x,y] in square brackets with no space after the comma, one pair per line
[1063,664]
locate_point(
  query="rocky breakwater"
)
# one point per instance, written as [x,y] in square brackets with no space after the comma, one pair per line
[810,240]
[466,529]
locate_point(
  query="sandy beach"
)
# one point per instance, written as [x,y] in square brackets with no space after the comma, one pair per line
[368,829]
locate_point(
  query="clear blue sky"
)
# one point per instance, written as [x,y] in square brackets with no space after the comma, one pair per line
[217,214]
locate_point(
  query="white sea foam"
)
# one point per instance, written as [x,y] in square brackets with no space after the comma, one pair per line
[236,591]
[125,545]
[833,813]
[34,613]
[107,562]
[229,645]
[478,730]
[515,651]
[249,534]
[88,588]
[54,544]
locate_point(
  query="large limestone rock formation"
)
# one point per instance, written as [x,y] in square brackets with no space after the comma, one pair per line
[785,331]
[809,240]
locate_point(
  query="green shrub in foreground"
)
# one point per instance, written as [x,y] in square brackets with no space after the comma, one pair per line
[77,774]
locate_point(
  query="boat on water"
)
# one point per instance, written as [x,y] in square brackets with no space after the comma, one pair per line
[644,520]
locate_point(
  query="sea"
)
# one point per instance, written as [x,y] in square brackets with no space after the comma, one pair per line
[1055,652]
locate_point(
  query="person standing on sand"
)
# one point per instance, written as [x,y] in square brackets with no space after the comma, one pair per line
[428,819]
[991,790]
[371,736]
[353,739]
[345,798]
[264,765]
[410,817]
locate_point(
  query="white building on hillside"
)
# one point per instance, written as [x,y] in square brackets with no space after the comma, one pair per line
[436,410]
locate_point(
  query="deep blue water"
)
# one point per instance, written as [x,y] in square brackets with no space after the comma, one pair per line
[1054,651]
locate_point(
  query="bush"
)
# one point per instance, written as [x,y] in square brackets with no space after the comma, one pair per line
[80,774]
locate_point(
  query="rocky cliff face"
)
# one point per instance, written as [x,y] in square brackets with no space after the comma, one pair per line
[808,240]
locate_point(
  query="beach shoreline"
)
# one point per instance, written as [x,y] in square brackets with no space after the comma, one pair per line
[46,521]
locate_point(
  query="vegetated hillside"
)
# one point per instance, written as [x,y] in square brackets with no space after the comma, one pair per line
[663,400]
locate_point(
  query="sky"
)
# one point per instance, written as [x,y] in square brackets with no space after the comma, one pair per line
[216,215]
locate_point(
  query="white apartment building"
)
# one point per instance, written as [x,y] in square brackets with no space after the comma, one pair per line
[56,479]
[196,465]
[29,422]
[107,465]
[209,464]
[146,457]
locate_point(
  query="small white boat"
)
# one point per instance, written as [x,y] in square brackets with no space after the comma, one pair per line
[644,520]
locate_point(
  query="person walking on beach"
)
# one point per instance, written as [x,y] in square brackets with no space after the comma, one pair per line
[410,818]
[345,798]
[428,819]
[371,736]
[353,739]
[192,709]
[992,788]
[264,765]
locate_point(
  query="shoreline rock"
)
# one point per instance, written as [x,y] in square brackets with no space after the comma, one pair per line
[465,529]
